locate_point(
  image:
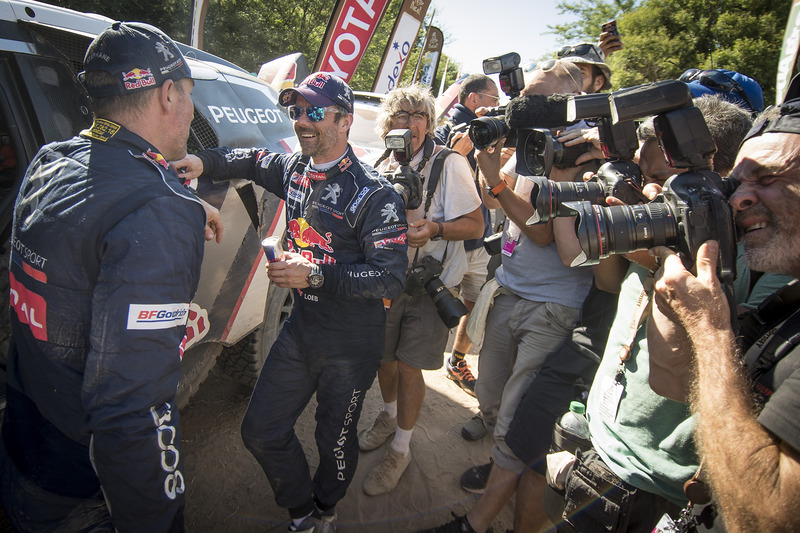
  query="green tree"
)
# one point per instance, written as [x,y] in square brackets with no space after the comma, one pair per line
[252,32]
[663,38]
[590,16]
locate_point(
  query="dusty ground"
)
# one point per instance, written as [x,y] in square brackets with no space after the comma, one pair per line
[228,491]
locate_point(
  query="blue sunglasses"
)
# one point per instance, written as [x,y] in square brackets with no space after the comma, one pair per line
[314,113]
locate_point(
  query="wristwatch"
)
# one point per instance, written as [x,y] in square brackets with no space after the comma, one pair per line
[315,278]
[494,191]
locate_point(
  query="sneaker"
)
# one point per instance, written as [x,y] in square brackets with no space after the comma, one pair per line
[317,523]
[328,521]
[459,524]
[382,428]
[386,474]
[474,428]
[462,376]
[474,480]
[311,524]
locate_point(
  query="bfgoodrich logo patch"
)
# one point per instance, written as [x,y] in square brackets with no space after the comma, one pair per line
[163,316]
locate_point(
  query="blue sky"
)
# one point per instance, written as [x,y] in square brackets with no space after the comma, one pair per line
[486,28]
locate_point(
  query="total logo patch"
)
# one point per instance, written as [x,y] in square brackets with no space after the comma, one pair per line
[162,316]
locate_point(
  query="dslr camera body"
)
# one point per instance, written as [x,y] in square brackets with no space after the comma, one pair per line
[405,180]
[692,207]
[422,278]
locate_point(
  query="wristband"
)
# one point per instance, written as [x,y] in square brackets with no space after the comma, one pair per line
[439,233]
[494,191]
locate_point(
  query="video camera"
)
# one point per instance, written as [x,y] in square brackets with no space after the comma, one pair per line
[619,176]
[405,180]
[692,207]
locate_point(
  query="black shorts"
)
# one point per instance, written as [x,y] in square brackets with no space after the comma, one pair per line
[565,376]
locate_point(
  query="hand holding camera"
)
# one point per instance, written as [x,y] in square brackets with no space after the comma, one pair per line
[405,180]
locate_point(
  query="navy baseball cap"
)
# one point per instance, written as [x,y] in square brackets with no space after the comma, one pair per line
[742,90]
[137,55]
[321,89]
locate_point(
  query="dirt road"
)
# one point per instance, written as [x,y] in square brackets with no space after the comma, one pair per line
[229,493]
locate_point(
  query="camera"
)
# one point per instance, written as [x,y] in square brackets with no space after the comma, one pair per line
[405,180]
[538,152]
[621,179]
[692,207]
[423,277]
[487,130]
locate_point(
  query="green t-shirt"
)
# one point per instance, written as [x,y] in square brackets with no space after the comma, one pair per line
[649,443]
[644,438]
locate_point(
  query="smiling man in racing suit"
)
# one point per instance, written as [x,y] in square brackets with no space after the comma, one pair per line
[346,249]
[106,253]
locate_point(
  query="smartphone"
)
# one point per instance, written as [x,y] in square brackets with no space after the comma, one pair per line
[610,27]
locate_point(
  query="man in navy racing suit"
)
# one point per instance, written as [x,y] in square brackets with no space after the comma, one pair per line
[346,250]
[106,253]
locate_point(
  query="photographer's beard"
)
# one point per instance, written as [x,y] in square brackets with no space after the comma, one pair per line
[774,248]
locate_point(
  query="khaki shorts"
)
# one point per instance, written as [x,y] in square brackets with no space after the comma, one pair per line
[475,276]
[415,334]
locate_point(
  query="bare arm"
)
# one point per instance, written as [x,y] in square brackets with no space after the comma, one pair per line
[756,477]
[516,208]
[469,226]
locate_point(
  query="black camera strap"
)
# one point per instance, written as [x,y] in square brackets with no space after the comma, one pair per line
[430,188]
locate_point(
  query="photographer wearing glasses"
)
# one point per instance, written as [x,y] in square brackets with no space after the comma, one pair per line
[416,334]
[477,92]
[346,249]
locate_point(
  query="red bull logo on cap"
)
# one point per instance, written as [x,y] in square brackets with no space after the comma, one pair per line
[304,235]
[138,78]
[318,80]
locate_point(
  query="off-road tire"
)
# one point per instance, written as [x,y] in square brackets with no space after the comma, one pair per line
[243,360]
[197,362]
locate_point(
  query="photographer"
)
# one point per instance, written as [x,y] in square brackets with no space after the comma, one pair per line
[747,414]
[536,304]
[477,91]
[416,336]
[641,441]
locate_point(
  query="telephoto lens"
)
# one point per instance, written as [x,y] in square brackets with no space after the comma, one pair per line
[621,229]
[450,308]
[548,197]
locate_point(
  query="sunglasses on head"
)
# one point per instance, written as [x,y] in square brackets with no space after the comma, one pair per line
[314,113]
[718,81]
[548,65]
[583,49]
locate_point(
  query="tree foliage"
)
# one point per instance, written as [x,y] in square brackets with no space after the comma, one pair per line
[252,32]
[590,17]
[663,38]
